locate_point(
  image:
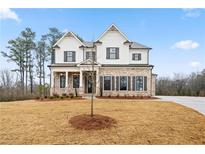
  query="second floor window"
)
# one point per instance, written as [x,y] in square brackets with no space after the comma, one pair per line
[136,56]
[69,56]
[112,53]
[90,55]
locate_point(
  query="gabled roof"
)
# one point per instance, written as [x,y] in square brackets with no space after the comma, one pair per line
[88,62]
[136,45]
[113,27]
[68,34]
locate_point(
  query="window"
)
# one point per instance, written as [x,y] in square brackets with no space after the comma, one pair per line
[107,82]
[136,56]
[69,56]
[112,53]
[62,81]
[90,55]
[76,81]
[123,83]
[139,83]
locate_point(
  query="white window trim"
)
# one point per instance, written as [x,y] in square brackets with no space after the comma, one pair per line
[142,84]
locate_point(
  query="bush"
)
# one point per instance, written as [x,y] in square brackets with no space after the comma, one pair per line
[37,97]
[64,94]
[109,95]
[61,97]
[51,97]
[71,95]
[118,95]
[55,95]
[45,97]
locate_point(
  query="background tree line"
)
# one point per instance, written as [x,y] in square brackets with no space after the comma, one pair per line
[182,85]
[31,56]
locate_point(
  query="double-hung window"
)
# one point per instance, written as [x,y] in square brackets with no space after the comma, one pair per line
[69,56]
[139,83]
[62,81]
[90,55]
[123,82]
[136,56]
[76,81]
[107,82]
[112,53]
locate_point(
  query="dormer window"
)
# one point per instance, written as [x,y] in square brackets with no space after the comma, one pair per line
[136,56]
[90,55]
[112,53]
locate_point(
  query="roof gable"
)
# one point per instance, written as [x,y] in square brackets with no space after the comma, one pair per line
[68,34]
[113,27]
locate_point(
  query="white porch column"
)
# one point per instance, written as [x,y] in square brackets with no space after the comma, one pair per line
[66,81]
[52,90]
[81,78]
[97,82]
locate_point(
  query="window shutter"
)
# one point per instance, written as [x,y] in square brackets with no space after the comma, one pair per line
[65,56]
[117,53]
[94,55]
[139,56]
[117,83]
[73,56]
[113,82]
[133,56]
[107,53]
[53,57]
[129,83]
[145,83]
[133,83]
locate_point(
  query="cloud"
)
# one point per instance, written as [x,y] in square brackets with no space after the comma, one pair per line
[6,13]
[194,64]
[186,45]
[192,13]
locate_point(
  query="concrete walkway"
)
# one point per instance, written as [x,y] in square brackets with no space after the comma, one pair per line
[196,103]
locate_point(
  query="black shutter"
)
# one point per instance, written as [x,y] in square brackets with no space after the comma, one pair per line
[139,56]
[107,53]
[65,56]
[145,83]
[133,83]
[117,83]
[129,83]
[53,57]
[117,53]
[101,82]
[73,56]
[113,83]
[133,56]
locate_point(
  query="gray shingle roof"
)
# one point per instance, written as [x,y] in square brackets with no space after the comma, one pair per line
[88,44]
[136,45]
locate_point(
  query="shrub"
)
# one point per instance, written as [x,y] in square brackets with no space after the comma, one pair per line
[37,97]
[45,97]
[61,97]
[55,95]
[51,97]
[71,95]
[64,94]
[118,95]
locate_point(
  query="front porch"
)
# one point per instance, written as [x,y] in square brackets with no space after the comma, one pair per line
[78,83]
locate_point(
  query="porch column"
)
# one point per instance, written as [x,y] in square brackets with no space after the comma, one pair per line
[97,82]
[52,90]
[81,82]
[66,82]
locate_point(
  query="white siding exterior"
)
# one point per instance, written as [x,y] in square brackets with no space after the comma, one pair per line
[144,56]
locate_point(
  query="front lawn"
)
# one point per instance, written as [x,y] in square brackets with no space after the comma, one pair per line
[138,122]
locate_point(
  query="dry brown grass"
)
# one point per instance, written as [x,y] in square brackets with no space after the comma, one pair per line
[138,122]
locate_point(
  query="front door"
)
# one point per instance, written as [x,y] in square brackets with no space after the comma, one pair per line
[90,86]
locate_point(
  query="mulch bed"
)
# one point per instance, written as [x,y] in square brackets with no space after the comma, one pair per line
[127,97]
[97,122]
[59,99]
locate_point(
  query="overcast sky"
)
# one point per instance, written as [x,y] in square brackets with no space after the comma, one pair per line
[177,36]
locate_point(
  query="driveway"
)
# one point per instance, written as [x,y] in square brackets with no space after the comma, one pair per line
[196,103]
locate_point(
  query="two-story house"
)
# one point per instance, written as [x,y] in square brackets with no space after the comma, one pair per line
[121,66]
